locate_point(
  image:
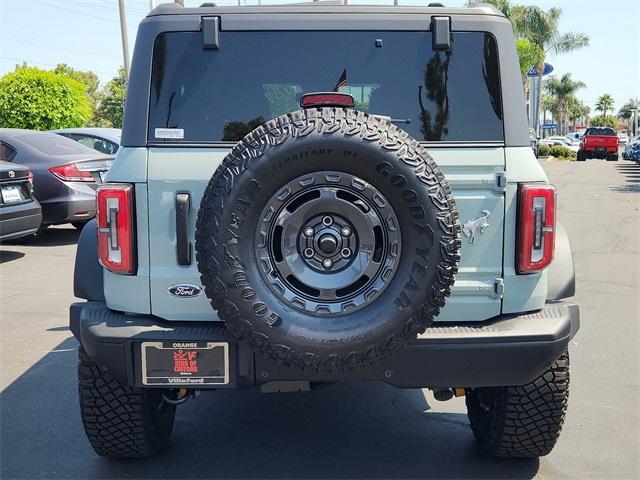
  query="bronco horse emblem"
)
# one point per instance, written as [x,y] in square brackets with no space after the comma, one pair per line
[472,226]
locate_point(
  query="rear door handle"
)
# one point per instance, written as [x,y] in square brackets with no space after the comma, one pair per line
[183,245]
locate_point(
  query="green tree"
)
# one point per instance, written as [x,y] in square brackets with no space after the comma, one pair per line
[604,104]
[602,121]
[111,104]
[88,78]
[629,112]
[541,28]
[577,111]
[41,100]
[563,91]
[529,55]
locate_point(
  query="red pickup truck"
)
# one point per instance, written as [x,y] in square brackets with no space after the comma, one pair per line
[598,142]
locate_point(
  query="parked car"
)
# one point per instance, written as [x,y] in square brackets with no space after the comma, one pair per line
[623,138]
[261,231]
[629,148]
[575,136]
[105,140]
[572,139]
[20,213]
[65,174]
[599,142]
[558,142]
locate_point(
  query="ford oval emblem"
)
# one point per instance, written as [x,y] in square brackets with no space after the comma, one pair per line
[185,290]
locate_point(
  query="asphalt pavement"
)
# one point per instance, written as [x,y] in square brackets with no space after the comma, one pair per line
[342,431]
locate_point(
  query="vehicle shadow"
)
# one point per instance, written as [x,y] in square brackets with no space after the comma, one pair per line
[9,255]
[56,236]
[353,430]
[631,172]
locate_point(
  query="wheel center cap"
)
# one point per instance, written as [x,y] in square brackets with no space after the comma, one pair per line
[328,243]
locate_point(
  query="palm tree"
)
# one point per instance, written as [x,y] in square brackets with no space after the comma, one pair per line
[629,112]
[563,91]
[541,27]
[604,104]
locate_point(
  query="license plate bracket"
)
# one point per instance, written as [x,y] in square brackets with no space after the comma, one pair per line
[600,149]
[12,194]
[185,363]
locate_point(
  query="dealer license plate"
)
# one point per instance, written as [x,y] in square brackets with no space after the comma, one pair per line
[11,195]
[185,363]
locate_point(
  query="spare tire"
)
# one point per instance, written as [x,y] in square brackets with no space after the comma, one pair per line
[327,239]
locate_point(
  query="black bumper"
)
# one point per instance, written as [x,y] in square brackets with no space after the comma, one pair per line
[509,350]
[19,220]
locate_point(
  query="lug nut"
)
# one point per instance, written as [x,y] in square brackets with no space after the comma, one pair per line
[327,263]
[308,232]
[345,252]
[346,231]
[308,252]
[326,221]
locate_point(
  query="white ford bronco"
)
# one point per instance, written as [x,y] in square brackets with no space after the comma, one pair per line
[309,194]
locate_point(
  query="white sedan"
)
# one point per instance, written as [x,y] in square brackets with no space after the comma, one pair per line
[559,141]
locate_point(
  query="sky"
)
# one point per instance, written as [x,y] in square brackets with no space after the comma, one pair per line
[85,34]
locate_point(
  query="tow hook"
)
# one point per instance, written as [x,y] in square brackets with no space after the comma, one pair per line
[182,396]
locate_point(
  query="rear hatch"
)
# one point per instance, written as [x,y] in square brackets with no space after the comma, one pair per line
[203,101]
[600,139]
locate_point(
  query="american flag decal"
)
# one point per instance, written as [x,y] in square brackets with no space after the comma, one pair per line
[342,81]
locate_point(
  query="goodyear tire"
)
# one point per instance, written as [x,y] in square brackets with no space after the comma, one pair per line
[327,239]
[521,421]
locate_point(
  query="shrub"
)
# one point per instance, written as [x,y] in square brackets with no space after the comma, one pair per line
[42,100]
[544,150]
[562,153]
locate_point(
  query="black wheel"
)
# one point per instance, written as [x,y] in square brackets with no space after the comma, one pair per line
[580,156]
[327,239]
[521,421]
[121,421]
[79,225]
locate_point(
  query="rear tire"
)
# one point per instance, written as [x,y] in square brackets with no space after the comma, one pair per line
[521,421]
[580,156]
[121,421]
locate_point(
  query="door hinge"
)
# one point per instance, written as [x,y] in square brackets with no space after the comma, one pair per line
[501,180]
[210,33]
[441,34]
[498,287]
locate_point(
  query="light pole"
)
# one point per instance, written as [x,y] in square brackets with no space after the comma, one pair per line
[634,112]
[123,34]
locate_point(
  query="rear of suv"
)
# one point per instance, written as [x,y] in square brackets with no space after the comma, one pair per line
[317,193]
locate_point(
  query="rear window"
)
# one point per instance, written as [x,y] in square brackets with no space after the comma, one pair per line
[222,95]
[53,144]
[600,131]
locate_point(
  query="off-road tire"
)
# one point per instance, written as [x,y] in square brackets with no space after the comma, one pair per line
[521,421]
[121,421]
[231,274]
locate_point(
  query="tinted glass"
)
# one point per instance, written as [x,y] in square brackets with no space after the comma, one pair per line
[53,144]
[95,143]
[223,94]
[600,131]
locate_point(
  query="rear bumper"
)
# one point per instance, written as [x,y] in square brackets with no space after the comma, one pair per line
[19,220]
[509,350]
[72,210]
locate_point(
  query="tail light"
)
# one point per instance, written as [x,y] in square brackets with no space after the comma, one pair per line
[536,226]
[30,178]
[71,173]
[115,228]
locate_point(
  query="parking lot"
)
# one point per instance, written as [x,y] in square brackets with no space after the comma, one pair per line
[341,431]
